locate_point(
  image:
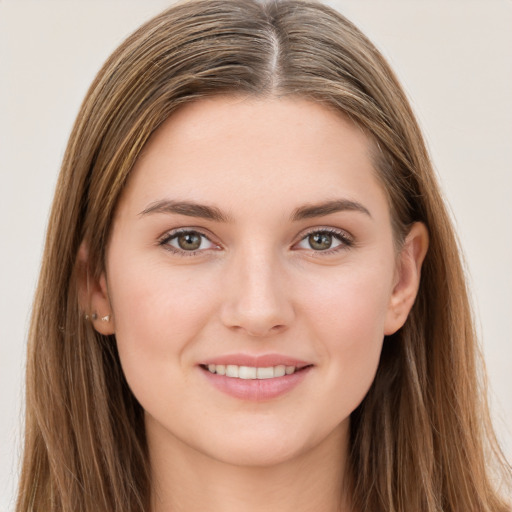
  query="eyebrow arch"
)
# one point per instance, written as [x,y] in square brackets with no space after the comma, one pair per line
[187,208]
[328,207]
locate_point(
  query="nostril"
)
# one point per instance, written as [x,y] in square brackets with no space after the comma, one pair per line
[265,331]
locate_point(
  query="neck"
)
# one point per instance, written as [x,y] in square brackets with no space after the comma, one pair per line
[186,480]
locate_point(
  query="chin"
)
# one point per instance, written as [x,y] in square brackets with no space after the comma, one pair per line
[258,454]
[263,447]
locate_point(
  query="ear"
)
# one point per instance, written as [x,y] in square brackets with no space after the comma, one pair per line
[93,294]
[407,280]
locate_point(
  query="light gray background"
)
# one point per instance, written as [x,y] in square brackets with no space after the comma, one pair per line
[454,58]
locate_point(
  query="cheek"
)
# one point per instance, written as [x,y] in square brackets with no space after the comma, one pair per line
[158,314]
[157,300]
[347,314]
[350,303]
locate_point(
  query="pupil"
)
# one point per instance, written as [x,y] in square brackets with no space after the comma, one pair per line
[189,241]
[320,241]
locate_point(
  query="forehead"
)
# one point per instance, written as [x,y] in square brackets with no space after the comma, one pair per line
[286,150]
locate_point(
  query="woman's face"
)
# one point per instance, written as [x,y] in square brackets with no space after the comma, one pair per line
[253,238]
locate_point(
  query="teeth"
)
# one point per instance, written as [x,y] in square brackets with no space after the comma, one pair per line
[280,371]
[231,370]
[265,373]
[251,372]
[246,372]
[289,370]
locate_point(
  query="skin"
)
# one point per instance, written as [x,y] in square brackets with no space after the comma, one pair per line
[255,286]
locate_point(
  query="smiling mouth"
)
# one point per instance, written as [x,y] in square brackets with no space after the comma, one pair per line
[252,372]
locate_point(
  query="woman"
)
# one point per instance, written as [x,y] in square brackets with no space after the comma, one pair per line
[251,295]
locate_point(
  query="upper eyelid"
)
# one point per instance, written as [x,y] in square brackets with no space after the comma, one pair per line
[325,229]
[206,232]
[188,229]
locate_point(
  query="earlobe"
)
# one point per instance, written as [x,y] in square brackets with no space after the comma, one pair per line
[408,277]
[93,294]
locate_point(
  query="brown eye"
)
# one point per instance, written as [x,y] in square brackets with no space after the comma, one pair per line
[320,241]
[189,241]
[328,240]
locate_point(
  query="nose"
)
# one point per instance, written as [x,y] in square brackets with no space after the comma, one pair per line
[256,298]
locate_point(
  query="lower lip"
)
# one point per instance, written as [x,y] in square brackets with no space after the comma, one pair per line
[257,390]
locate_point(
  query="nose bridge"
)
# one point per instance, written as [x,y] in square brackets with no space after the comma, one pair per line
[257,300]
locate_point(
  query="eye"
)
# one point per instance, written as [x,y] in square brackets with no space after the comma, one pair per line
[187,241]
[325,240]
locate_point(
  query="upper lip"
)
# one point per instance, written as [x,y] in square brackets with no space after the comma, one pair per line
[257,361]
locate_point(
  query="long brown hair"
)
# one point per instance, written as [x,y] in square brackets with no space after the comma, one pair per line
[421,439]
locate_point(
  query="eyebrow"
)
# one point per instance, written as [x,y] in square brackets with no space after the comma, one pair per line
[188,208]
[191,209]
[328,207]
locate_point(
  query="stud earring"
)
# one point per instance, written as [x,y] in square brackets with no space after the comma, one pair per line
[94,316]
[105,318]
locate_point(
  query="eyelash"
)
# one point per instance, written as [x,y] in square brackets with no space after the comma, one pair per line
[346,241]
